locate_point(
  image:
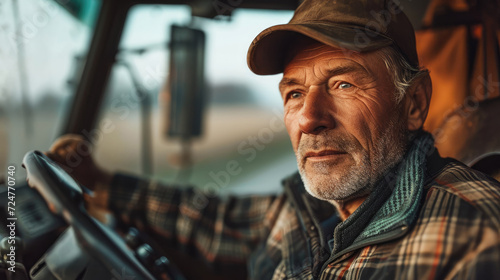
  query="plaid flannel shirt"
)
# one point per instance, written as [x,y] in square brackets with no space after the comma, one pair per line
[455,236]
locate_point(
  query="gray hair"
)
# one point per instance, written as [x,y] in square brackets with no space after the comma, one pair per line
[402,72]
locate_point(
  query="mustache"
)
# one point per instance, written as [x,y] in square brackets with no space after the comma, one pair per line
[320,142]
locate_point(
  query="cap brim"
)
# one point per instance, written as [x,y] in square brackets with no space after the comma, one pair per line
[268,50]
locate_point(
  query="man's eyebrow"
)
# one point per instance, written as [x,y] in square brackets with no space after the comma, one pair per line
[340,70]
[286,82]
[346,69]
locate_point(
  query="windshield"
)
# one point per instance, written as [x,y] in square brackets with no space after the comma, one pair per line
[243,143]
[243,134]
[43,51]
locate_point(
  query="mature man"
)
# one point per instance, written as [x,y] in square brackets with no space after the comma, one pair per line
[355,100]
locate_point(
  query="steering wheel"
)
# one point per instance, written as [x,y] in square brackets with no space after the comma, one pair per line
[65,198]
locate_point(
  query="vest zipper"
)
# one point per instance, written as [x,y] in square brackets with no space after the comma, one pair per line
[394,234]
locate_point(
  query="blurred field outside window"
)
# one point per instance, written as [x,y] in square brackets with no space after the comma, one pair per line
[244,147]
[43,48]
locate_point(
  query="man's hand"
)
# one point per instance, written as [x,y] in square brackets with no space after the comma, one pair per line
[73,153]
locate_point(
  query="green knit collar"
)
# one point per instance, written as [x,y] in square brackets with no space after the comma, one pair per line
[401,208]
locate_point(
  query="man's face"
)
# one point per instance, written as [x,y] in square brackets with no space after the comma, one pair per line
[344,123]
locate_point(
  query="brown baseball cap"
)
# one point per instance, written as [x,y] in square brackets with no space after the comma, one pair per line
[357,25]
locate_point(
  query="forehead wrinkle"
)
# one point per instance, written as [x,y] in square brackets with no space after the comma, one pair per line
[321,73]
[350,66]
[286,82]
[336,66]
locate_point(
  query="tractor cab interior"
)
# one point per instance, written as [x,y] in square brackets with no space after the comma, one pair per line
[161,89]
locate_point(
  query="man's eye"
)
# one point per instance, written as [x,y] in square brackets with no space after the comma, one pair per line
[295,95]
[345,85]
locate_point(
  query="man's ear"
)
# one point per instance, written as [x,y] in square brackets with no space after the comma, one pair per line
[418,99]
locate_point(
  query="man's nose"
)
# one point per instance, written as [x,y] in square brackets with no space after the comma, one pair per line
[316,112]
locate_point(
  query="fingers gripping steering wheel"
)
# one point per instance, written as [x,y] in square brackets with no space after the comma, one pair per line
[65,197]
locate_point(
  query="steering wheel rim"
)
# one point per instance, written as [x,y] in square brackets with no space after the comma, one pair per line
[64,195]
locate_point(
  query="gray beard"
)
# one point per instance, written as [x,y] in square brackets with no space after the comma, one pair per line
[361,178]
